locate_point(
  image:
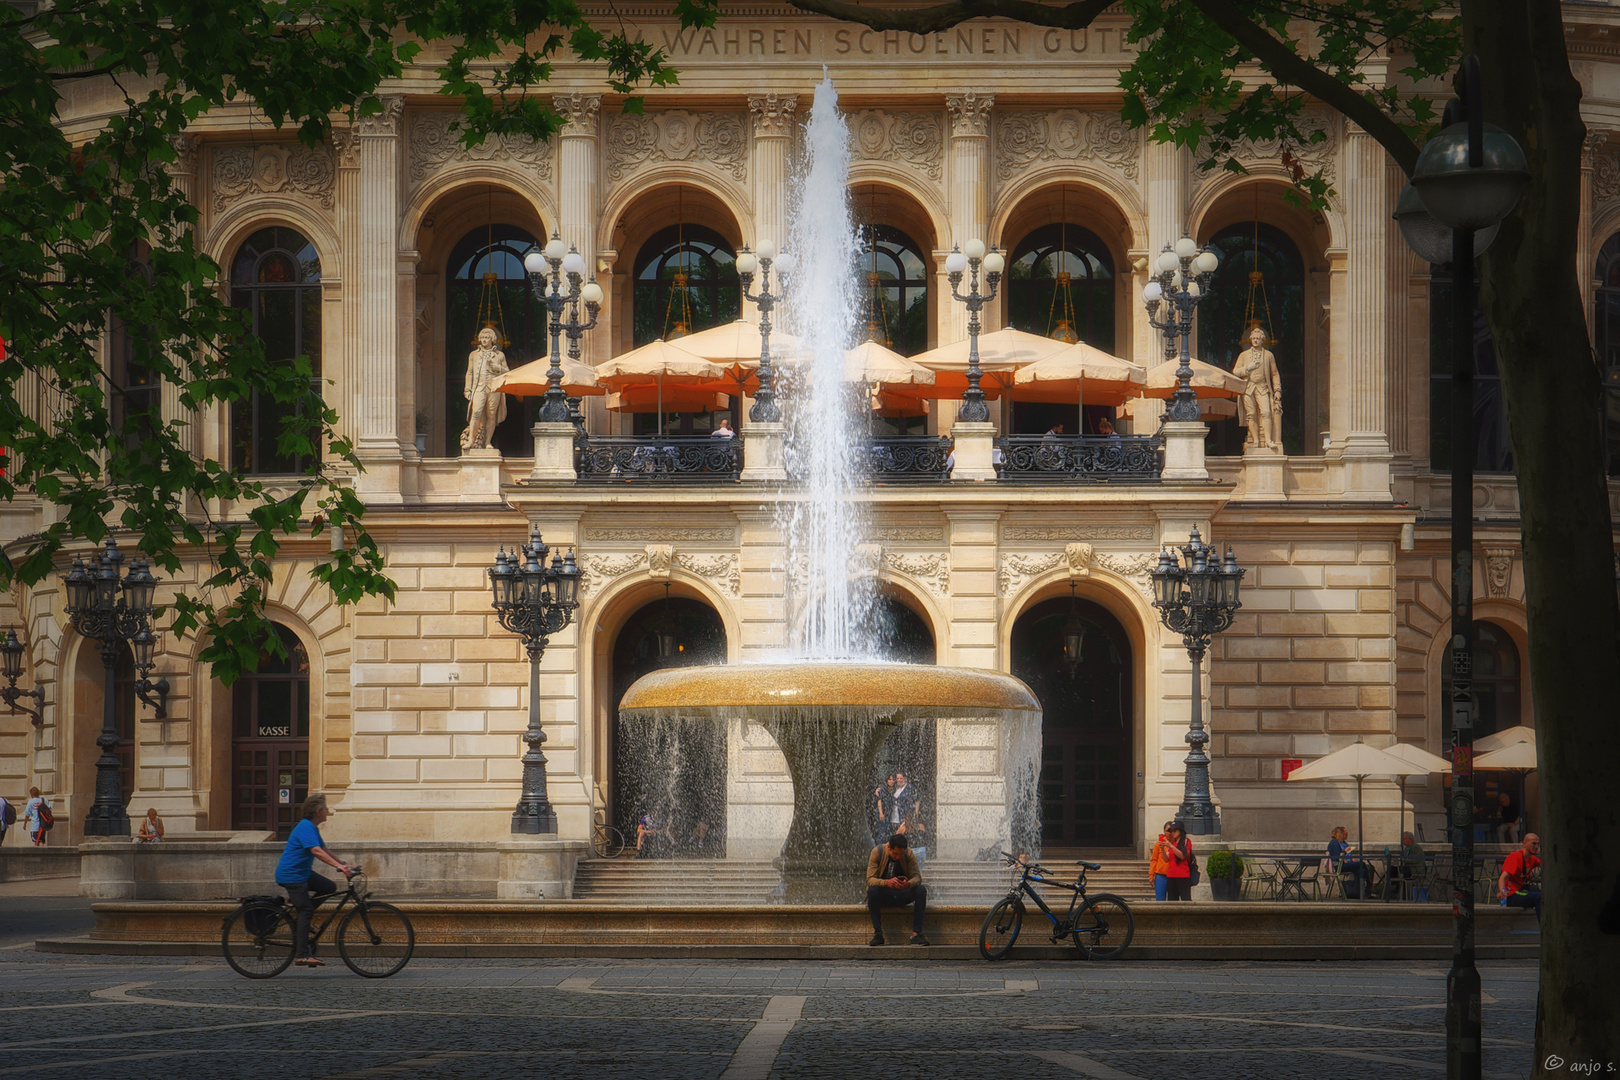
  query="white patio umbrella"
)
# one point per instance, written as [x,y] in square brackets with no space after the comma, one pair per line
[1360,761]
[1519,757]
[1417,756]
[1506,737]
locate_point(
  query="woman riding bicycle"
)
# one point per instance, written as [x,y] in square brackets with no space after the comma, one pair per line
[295,873]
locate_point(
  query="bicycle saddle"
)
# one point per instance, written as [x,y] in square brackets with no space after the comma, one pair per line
[1089,865]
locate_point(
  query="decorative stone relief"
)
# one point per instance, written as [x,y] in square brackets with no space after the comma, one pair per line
[867,558]
[696,535]
[282,167]
[676,135]
[434,143]
[660,559]
[932,570]
[578,112]
[187,149]
[893,533]
[596,571]
[1137,569]
[1023,138]
[916,138]
[724,570]
[1061,532]
[346,145]
[1309,156]
[1018,569]
[970,113]
[1498,572]
[1078,558]
[1605,169]
[773,115]
[385,123]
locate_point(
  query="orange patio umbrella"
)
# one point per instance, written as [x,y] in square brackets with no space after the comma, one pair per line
[1080,373]
[1001,354]
[654,375]
[530,380]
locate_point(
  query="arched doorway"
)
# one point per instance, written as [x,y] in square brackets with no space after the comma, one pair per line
[486,283]
[1087,728]
[1497,689]
[904,636]
[673,771]
[270,740]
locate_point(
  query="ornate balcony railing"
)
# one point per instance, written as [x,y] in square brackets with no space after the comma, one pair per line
[905,459]
[1057,458]
[657,459]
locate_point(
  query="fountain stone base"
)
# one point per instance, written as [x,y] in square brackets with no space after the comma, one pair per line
[829,718]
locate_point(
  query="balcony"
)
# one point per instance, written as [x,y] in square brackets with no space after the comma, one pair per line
[1048,459]
[657,459]
[905,459]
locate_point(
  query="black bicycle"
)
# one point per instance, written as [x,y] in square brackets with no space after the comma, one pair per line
[1101,926]
[375,939]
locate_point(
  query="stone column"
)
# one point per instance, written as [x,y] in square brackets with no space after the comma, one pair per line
[974,542]
[1364,379]
[968,176]
[577,168]
[1400,339]
[339,362]
[773,118]
[1167,168]
[376,304]
[184,172]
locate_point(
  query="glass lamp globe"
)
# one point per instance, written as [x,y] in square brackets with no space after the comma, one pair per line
[534,263]
[1193,290]
[1430,239]
[766,249]
[1152,293]
[1461,197]
[1167,262]
[785,263]
[591,293]
[747,262]
[995,263]
[573,262]
[1186,247]
[555,248]
[974,249]
[1206,262]
[955,262]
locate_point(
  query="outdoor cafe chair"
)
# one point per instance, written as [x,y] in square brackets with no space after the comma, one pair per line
[1294,875]
[1261,877]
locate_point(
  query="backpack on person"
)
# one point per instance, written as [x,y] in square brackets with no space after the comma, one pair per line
[46,818]
[8,814]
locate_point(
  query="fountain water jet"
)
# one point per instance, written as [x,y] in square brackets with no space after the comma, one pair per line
[830,706]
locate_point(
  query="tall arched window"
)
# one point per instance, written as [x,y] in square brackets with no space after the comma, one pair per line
[136,390]
[1036,304]
[1223,331]
[276,279]
[1606,336]
[1497,675]
[894,290]
[1492,452]
[711,295]
[491,250]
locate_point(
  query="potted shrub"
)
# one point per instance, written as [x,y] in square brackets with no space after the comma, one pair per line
[1225,870]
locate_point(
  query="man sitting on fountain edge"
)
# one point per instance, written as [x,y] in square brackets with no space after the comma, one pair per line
[893,879]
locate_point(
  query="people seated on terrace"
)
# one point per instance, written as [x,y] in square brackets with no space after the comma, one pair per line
[1340,860]
[1507,819]
[151,827]
[1520,883]
[723,431]
[1105,427]
[1054,432]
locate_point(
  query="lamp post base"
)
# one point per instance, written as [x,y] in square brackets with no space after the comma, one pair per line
[529,819]
[106,824]
[1200,820]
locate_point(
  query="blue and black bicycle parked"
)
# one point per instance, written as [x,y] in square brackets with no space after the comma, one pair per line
[1100,926]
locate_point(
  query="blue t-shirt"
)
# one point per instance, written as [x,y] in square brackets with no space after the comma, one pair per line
[299,857]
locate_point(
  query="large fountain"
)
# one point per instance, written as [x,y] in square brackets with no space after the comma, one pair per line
[830,703]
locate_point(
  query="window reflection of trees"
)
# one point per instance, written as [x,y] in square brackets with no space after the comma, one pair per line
[710,265]
[275,279]
[902,284]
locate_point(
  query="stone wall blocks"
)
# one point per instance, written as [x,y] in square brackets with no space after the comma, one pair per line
[1227,673]
[467,602]
[1291,673]
[385,674]
[1291,720]
[1327,600]
[1354,625]
[1239,720]
[459,626]
[419,746]
[371,605]
[400,554]
[1377,553]
[423,602]
[384,770]
[1376,697]
[1290,576]
[482,556]
[369,746]
[1432,599]
[1415,683]
[1325,552]
[404,649]
[506,648]
[1262,648]
[1420,621]
[1290,625]
[504,771]
[487,697]
[1361,672]
[1357,577]
[1325,648]
[1365,722]
[1234,768]
[370,651]
[452,769]
[971,582]
[1258,745]
[1257,696]
[1377,648]
[485,746]
[388,626]
[1263,600]
[1375,600]
[370,699]
[1325,697]
[419,697]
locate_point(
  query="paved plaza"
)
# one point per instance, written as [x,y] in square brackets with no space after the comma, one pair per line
[79,1017]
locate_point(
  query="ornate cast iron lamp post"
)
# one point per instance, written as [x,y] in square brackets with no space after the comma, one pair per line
[97,611]
[11,654]
[1197,597]
[1182,279]
[547,268]
[534,601]
[1466,181]
[970,258]
[765,408]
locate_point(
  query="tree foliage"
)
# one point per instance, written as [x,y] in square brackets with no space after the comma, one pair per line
[79,200]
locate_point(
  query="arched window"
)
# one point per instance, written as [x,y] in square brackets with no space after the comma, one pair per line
[711,295]
[1606,336]
[136,390]
[276,279]
[894,290]
[1492,452]
[270,740]
[491,250]
[1497,678]
[1036,303]
[1223,331]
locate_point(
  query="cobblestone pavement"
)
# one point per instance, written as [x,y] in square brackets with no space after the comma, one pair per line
[89,1017]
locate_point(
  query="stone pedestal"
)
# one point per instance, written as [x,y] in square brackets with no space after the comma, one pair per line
[1184,450]
[481,475]
[1366,470]
[538,869]
[974,444]
[1262,473]
[553,451]
[107,868]
[763,459]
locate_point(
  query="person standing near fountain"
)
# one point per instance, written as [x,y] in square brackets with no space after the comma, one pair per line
[893,879]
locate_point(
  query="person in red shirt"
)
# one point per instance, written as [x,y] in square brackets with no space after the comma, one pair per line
[1520,883]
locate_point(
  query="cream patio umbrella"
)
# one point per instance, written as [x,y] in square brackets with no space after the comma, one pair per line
[1417,756]
[1001,353]
[1506,737]
[1218,390]
[643,373]
[1080,373]
[530,379]
[1360,761]
[1519,757]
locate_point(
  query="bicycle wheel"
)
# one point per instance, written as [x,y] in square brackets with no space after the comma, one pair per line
[1103,927]
[257,940]
[375,939]
[609,842]
[1000,928]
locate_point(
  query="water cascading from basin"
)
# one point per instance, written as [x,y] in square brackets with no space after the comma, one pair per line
[833,700]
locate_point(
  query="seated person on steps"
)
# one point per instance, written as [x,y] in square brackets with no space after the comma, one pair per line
[893,879]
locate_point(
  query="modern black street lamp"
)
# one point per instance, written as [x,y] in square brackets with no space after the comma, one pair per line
[1197,597]
[970,258]
[97,611]
[1467,179]
[11,654]
[547,268]
[534,601]
[1181,279]
[765,409]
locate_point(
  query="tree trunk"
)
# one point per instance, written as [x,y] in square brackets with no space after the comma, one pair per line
[1530,295]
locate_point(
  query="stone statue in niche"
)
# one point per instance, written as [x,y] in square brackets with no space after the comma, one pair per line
[486,406]
[1262,393]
